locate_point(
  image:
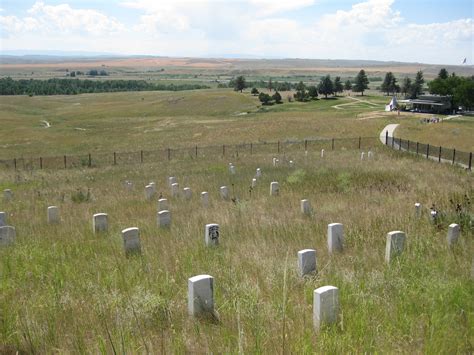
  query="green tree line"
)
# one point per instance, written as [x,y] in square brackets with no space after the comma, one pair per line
[8,86]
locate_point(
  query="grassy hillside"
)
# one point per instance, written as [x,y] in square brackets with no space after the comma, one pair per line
[64,289]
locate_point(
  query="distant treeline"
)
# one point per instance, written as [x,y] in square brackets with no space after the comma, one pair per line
[8,86]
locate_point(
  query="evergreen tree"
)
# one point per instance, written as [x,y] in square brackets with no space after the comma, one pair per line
[313,92]
[301,94]
[406,85]
[338,87]
[361,82]
[254,91]
[348,85]
[443,74]
[277,97]
[416,87]
[239,83]
[326,86]
[270,85]
[264,98]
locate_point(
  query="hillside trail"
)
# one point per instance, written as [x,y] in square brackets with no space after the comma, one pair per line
[338,107]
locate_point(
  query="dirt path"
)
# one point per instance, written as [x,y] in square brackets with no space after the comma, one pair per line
[338,107]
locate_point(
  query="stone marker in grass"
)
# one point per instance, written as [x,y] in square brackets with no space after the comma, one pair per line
[7,235]
[175,189]
[306,261]
[325,306]
[418,210]
[394,245]
[205,198]
[171,180]
[274,188]
[362,156]
[200,295]
[224,191]
[100,222]
[162,204]
[149,191]
[453,234]
[305,207]
[164,218]
[53,214]
[335,237]
[258,173]
[131,241]
[7,195]
[3,219]
[232,169]
[211,234]
[254,183]
[187,193]
[322,153]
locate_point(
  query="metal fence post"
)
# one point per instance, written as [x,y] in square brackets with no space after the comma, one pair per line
[251,148]
[439,155]
[454,155]
[169,154]
[90,160]
[41,163]
[65,163]
[417,144]
[359,142]
[332,144]
[400,144]
[470,161]
[14,162]
[305,144]
[386,137]
[408,145]
[141,156]
[427,151]
[115,158]
[196,151]
[278,146]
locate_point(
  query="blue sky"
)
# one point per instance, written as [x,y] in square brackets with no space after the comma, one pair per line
[412,31]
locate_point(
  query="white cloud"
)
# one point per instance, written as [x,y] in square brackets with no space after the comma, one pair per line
[49,19]
[271,7]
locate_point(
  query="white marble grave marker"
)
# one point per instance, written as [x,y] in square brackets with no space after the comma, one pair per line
[149,191]
[322,153]
[7,194]
[174,189]
[305,207]
[162,204]
[453,234]
[306,261]
[275,161]
[205,198]
[171,180]
[100,222]
[394,245]
[362,156]
[254,183]
[53,214]
[211,236]
[418,209]
[291,163]
[131,241]
[3,219]
[7,235]
[164,218]
[187,193]
[224,191]
[258,173]
[335,237]
[232,169]
[200,295]
[325,306]
[370,155]
[274,188]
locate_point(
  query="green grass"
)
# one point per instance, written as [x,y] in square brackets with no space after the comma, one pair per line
[64,289]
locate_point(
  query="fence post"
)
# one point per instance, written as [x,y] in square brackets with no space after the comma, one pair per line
[408,146]
[251,148]
[359,143]
[169,154]
[305,144]
[439,155]
[223,150]
[332,144]
[196,151]
[427,151]
[454,155]
[470,161]
[65,163]
[90,160]
[399,144]
[278,146]
[14,162]
[237,150]
[141,156]
[41,163]
[386,137]
[417,148]
[115,158]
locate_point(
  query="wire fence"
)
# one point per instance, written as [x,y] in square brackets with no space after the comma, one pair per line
[190,152]
[433,152]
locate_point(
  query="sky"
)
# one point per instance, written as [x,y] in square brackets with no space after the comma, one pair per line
[426,31]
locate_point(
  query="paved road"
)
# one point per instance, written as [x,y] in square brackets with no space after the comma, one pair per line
[390,129]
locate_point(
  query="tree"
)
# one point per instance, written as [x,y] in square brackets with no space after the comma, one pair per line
[313,92]
[277,97]
[406,85]
[338,87]
[361,82]
[389,84]
[416,87]
[348,85]
[270,85]
[264,98]
[239,83]
[464,93]
[326,86]
[443,74]
[301,94]
[254,91]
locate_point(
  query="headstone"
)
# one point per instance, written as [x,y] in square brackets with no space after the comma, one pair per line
[100,222]
[395,244]
[174,189]
[129,185]
[362,156]
[258,173]
[418,209]
[162,204]
[131,241]
[305,153]
[232,169]
[322,153]
[335,237]
[453,234]
[325,306]
[433,215]
[254,183]
[3,219]
[200,295]
[274,188]
[305,207]
[7,194]
[7,235]
[149,192]
[275,161]
[53,214]
[164,218]
[291,163]
[211,236]
[224,191]
[153,184]
[306,261]
[205,199]
[171,180]
[370,155]
[187,193]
